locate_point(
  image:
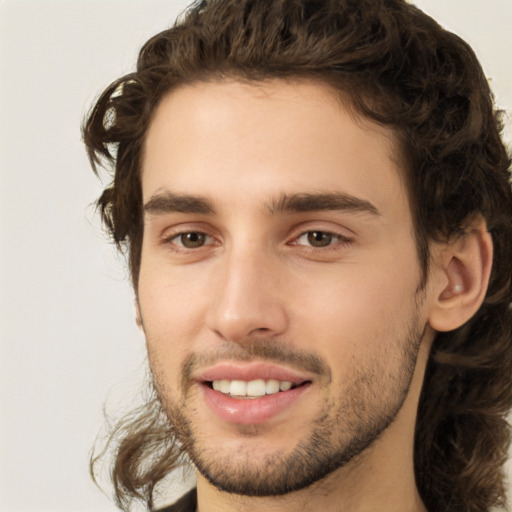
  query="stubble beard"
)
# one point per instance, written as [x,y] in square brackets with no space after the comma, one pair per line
[341,433]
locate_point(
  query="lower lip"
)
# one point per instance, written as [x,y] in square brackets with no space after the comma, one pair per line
[251,411]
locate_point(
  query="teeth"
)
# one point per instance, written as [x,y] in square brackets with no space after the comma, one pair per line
[238,388]
[222,385]
[285,386]
[253,388]
[272,387]
[256,388]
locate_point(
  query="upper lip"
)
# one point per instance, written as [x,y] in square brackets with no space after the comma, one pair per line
[248,372]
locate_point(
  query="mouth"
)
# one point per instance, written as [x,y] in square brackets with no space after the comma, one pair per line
[253,389]
[254,393]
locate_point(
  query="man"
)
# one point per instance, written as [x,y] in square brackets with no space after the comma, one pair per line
[315,202]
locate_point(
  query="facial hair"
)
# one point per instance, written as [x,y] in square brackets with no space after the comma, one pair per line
[346,427]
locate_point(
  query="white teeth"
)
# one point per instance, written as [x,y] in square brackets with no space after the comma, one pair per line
[272,387]
[256,388]
[253,388]
[238,388]
[285,386]
[224,386]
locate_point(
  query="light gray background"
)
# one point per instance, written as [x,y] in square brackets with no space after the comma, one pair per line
[68,341]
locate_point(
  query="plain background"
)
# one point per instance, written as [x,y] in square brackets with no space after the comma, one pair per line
[68,340]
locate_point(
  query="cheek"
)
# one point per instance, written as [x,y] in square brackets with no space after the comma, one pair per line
[171,299]
[360,312]
[172,314]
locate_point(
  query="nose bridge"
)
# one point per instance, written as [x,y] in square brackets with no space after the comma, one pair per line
[247,297]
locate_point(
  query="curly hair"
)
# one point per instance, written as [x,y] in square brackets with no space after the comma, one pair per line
[399,68]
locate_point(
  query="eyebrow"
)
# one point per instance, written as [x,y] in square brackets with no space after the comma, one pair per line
[320,202]
[168,202]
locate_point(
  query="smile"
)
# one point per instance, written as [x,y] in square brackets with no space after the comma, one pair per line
[251,393]
[252,389]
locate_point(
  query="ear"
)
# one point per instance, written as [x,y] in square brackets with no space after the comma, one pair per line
[462,268]
[138,316]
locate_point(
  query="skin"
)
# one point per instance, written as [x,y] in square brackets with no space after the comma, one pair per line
[257,282]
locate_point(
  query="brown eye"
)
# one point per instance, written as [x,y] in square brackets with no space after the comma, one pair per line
[319,238]
[191,240]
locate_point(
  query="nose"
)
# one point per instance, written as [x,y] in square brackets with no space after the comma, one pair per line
[247,298]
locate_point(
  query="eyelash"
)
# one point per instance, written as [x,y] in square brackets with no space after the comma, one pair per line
[336,238]
[334,243]
[180,235]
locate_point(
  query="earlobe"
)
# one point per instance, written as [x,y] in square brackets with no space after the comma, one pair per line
[463,267]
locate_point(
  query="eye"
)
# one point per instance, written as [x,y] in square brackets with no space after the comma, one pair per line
[318,239]
[190,239]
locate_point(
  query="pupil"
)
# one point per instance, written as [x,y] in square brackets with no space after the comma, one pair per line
[192,240]
[319,238]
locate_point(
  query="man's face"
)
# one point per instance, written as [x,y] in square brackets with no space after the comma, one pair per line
[279,281]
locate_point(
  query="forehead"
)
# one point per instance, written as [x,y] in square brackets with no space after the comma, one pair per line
[228,139]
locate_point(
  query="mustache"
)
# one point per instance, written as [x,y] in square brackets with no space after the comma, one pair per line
[269,351]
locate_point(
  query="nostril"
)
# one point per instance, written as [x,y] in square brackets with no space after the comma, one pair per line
[261,329]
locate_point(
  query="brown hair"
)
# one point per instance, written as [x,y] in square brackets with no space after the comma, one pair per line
[401,69]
